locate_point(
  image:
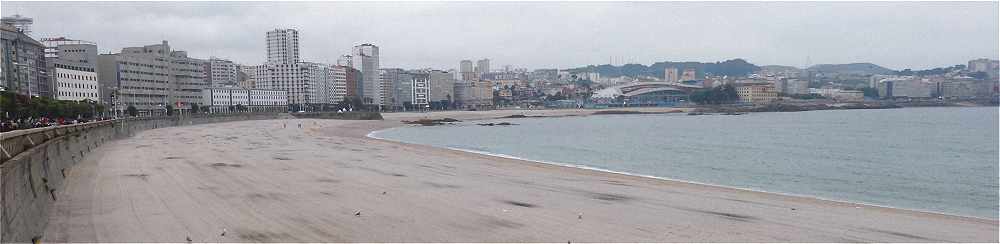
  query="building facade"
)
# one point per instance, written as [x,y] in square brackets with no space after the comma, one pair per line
[76,82]
[72,68]
[482,66]
[24,65]
[365,60]
[235,99]
[421,90]
[689,74]
[474,95]
[839,94]
[442,89]
[283,46]
[466,71]
[756,93]
[670,75]
[791,86]
[20,23]
[905,87]
[337,90]
[389,78]
[152,77]
[222,72]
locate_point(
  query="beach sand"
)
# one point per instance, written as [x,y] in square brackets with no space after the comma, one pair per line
[327,182]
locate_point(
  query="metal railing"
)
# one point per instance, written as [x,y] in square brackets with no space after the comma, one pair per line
[15,142]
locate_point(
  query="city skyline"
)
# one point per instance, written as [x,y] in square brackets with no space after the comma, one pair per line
[545,35]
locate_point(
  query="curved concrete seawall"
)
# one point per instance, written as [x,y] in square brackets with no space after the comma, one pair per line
[34,163]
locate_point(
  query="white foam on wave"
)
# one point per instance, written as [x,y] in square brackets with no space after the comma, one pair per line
[374,136]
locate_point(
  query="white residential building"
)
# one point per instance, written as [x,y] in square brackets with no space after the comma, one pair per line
[76,83]
[337,90]
[72,68]
[235,99]
[421,89]
[283,46]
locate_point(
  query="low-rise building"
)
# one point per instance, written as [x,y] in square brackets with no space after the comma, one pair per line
[839,94]
[791,86]
[76,83]
[236,99]
[905,87]
[756,93]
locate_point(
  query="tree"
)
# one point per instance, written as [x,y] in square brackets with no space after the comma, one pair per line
[718,95]
[132,111]
[194,108]
[170,110]
[556,97]
[349,102]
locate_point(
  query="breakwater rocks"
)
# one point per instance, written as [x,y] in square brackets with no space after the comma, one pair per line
[633,112]
[431,122]
[495,124]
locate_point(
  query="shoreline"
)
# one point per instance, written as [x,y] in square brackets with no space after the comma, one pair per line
[315,180]
[603,170]
[372,135]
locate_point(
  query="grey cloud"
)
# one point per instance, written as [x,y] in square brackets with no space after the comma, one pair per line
[544,34]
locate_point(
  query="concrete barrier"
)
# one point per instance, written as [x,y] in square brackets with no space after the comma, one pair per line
[35,162]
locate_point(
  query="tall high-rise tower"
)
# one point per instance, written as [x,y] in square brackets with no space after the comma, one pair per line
[670,75]
[21,23]
[366,61]
[465,70]
[283,46]
[483,66]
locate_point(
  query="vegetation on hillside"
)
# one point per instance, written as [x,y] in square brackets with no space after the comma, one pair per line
[734,67]
[724,94]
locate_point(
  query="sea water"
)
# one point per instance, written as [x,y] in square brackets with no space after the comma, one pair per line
[942,159]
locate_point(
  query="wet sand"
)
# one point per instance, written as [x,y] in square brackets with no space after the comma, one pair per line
[327,182]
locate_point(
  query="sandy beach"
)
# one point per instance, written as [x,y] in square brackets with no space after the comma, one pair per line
[310,180]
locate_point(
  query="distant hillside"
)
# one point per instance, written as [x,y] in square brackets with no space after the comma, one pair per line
[854,68]
[779,68]
[734,67]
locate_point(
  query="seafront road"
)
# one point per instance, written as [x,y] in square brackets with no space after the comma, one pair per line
[261,181]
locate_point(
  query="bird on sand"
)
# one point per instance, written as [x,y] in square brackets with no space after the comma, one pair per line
[358,213]
[223,232]
[189,239]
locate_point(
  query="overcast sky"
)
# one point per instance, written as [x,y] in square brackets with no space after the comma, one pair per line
[533,35]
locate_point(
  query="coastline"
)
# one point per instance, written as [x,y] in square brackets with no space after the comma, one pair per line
[372,135]
[328,182]
[603,170]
